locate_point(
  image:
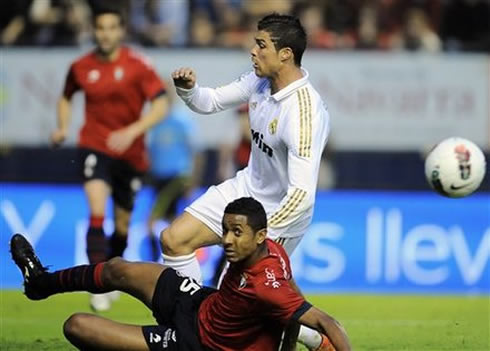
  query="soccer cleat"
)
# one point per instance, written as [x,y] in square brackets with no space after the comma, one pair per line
[326,345]
[31,268]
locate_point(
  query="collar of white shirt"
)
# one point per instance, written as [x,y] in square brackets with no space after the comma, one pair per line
[292,87]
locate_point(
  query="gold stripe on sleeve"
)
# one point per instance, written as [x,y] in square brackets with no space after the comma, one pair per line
[301,121]
[297,198]
[274,218]
[309,125]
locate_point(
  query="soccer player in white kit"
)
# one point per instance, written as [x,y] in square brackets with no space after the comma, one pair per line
[289,126]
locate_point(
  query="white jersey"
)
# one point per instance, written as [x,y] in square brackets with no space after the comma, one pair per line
[289,132]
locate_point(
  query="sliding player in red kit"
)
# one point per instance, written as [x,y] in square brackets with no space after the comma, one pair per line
[255,304]
[234,316]
[116,82]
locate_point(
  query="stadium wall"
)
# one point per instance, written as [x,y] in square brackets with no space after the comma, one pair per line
[378,101]
[359,241]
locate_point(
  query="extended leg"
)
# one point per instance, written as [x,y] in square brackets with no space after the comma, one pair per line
[136,279]
[90,332]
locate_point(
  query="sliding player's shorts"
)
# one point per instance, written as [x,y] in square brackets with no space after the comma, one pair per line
[175,306]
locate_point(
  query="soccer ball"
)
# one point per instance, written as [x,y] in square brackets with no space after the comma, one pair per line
[455,167]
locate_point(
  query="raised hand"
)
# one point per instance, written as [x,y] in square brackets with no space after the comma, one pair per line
[184,77]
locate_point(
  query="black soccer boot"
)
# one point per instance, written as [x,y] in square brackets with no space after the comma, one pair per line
[31,268]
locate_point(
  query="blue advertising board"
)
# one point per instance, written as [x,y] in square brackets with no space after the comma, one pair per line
[359,241]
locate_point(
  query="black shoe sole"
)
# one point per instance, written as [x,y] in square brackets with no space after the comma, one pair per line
[29,264]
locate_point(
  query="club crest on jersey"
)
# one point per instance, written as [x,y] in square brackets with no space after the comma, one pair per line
[93,76]
[273,126]
[258,137]
[253,105]
[243,282]
[118,73]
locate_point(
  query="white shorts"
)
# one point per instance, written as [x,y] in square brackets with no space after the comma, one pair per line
[209,209]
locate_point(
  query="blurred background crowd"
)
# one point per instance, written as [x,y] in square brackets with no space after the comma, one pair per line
[426,25]
[334,27]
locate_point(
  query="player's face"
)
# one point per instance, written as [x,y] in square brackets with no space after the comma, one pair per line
[108,32]
[239,240]
[266,59]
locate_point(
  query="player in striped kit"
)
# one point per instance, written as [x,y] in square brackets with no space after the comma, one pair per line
[289,129]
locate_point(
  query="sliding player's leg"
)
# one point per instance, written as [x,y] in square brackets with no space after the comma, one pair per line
[163,291]
[87,331]
[136,279]
[91,332]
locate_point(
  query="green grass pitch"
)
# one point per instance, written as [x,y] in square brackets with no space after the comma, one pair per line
[391,323]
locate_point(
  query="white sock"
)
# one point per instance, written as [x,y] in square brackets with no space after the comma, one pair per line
[187,265]
[309,337]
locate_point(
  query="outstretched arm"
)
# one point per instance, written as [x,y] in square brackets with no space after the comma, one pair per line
[325,324]
[208,100]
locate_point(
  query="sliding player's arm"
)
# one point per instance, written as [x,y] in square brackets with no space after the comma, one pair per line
[304,134]
[325,324]
[284,302]
[282,299]
[208,100]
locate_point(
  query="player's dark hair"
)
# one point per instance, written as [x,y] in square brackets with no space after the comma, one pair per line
[252,209]
[108,11]
[285,31]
